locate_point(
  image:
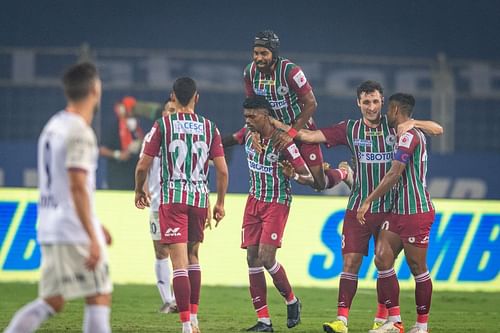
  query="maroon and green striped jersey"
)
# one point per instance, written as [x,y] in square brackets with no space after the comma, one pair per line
[372,149]
[187,141]
[267,181]
[282,88]
[410,194]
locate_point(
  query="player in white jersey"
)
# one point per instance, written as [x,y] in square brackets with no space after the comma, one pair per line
[74,260]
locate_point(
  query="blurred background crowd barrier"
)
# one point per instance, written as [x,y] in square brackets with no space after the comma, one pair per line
[460,94]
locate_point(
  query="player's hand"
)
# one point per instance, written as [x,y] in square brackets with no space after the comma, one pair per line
[219,213]
[287,168]
[142,200]
[107,235]
[362,211]
[281,139]
[94,255]
[208,220]
[256,145]
[405,127]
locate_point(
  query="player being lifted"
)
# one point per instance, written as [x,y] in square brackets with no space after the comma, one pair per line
[371,142]
[186,141]
[292,100]
[266,212]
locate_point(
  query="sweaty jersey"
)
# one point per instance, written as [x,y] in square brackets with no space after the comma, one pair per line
[373,151]
[66,143]
[186,141]
[410,195]
[267,181]
[282,88]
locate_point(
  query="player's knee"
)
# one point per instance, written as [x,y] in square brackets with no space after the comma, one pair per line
[267,259]
[416,267]
[352,264]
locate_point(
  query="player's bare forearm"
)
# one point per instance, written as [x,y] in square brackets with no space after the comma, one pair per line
[308,106]
[78,189]
[310,136]
[141,171]
[304,176]
[429,127]
[222,179]
[390,179]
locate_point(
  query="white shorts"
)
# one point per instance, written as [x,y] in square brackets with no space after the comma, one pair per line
[154,225]
[63,272]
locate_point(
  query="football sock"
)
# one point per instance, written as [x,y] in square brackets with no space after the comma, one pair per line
[182,290]
[348,285]
[280,281]
[96,319]
[194,272]
[163,276]
[382,313]
[389,288]
[423,295]
[30,317]
[258,291]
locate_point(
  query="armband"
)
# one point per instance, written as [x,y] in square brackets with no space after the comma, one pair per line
[292,132]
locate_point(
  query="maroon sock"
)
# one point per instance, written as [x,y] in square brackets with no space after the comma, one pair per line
[423,295]
[258,290]
[381,309]
[194,272]
[280,281]
[334,176]
[388,286]
[182,291]
[347,289]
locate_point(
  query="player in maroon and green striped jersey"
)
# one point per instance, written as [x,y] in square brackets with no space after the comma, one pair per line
[371,142]
[409,224]
[186,141]
[266,212]
[287,89]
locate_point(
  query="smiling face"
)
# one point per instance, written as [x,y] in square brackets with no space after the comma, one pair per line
[370,105]
[263,58]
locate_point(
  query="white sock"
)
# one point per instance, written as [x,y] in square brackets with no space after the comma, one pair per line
[30,317]
[96,319]
[265,320]
[343,318]
[186,327]
[194,319]
[422,326]
[163,277]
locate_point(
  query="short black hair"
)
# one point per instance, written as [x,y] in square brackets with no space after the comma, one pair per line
[406,102]
[78,80]
[184,90]
[257,102]
[368,87]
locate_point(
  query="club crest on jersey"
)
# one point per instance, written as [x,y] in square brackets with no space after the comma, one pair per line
[272,157]
[188,127]
[282,90]
[260,92]
[390,139]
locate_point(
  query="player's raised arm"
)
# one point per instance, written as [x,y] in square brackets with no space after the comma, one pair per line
[429,127]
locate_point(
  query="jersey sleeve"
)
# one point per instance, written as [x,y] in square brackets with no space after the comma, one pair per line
[216,148]
[292,154]
[406,146]
[80,150]
[298,82]
[248,82]
[240,135]
[335,135]
[153,141]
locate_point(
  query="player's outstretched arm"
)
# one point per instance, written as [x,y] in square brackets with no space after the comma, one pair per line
[308,106]
[142,199]
[301,175]
[303,135]
[429,127]
[222,181]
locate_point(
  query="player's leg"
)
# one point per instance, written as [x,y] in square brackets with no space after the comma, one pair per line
[387,248]
[162,266]
[32,315]
[415,236]
[96,315]
[194,272]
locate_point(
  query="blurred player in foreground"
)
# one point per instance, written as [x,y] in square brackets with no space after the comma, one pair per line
[409,224]
[73,242]
[186,142]
[266,212]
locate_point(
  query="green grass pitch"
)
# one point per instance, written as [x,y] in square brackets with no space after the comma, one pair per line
[228,309]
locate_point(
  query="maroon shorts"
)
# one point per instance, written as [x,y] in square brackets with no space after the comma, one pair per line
[356,236]
[311,153]
[180,223]
[413,229]
[263,223]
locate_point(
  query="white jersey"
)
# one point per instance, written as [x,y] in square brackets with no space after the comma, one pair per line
[154,179]
[66,142]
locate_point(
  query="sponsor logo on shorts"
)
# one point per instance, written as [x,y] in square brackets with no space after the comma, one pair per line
[172,232]
[188,127]
[411,240]
[278,105]
[366,157]
[274,236]
[257,167]
[312,157]
[425,240]
[385,225]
